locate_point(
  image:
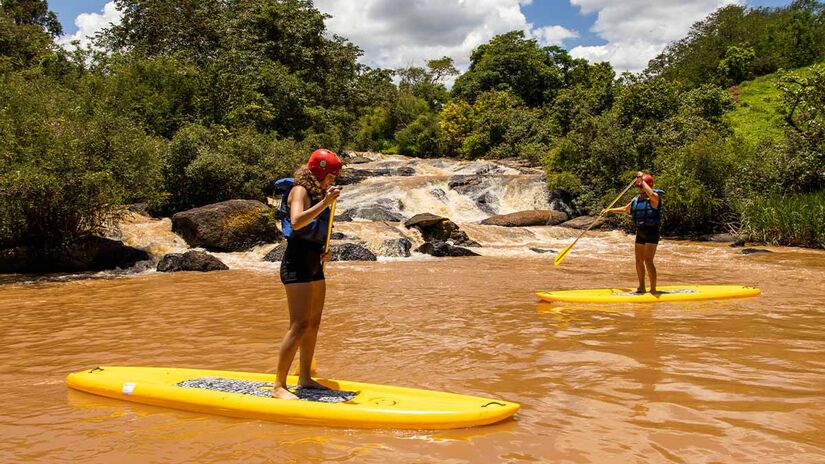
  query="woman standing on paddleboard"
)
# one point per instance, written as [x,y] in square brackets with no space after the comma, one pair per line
[305,218]
[645,208]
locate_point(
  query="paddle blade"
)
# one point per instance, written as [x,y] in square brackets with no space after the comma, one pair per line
[562,254]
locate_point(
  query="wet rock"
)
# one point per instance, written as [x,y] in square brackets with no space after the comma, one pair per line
[439,229]
[233,225]
[738,243]
[441,195]
[356,175]
[85,254]
[465,184]
[346,216]
[542,250]
[485,203]
[444,249]
[395,247]
[341,236]
[378,213]
[562,200]
[351,252]
[583,222]
[489,169]
[191,261]
[276,254]
[541,217]
[751,251]
[358,160]
[720,238]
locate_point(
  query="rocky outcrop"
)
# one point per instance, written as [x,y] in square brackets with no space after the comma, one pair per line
[234,225]
[540,217]
[191,261]
[439,229]
[351,252]
[84,254]
[444,249]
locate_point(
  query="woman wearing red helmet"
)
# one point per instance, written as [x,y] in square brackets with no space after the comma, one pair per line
[305,217]
[645,208]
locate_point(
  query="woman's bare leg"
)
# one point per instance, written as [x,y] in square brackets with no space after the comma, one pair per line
[640,267]
[299,300]
[650,253]
[319,290]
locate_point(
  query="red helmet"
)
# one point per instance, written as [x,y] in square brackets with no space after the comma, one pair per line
[648,180]
[323,162]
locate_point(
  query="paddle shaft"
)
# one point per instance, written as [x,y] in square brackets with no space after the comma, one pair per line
[329,230]
[560,257]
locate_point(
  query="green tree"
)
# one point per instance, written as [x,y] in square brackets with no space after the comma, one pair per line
[511,62]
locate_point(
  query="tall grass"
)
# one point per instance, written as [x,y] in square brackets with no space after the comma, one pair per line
[787,220]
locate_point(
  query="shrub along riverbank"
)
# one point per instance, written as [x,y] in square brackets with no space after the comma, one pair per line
[181,105]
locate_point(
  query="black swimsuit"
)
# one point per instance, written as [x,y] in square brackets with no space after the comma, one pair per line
[302,262]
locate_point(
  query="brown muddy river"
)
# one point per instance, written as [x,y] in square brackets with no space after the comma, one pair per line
[728,381]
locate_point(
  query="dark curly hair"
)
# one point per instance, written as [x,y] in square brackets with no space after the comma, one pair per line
[305,179]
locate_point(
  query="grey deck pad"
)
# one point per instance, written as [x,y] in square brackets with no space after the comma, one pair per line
[264,389]
[660,292]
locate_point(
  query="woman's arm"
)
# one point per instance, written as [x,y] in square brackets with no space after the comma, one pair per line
[623,210]
[299,198]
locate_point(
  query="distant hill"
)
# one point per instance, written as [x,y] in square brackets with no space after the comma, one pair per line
[757,115]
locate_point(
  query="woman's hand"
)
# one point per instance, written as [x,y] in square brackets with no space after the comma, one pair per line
[332,194]
[326,257]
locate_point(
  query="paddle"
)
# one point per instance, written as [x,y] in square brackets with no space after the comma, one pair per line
[329,229]
[563,253]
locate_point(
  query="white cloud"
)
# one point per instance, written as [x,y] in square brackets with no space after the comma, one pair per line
[89,24]
[637,30]
[400,33]
[553,35]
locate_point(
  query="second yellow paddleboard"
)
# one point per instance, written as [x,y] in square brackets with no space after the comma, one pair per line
[667,293]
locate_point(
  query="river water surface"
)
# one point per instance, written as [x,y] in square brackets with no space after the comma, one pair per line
[728,381]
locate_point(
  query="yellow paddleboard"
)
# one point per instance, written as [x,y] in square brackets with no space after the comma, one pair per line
[667,293]
[246,394]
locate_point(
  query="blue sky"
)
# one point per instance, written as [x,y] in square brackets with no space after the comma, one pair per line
[396,33]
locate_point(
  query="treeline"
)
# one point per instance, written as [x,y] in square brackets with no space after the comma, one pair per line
[189,103]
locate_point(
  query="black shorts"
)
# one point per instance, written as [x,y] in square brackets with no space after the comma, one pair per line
[647,235]
[302,262]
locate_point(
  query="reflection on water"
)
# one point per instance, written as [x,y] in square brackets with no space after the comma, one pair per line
[728,381]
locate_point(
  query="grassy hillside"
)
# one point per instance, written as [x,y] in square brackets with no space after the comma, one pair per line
[757,114]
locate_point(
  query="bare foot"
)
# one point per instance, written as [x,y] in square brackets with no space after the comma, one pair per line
[654,291]
[640,290]
[283,393]
[312,384]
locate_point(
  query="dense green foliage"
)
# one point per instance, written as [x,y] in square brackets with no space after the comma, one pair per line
[736,43]
[188,103]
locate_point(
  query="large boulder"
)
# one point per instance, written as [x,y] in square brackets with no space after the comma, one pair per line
[81,255]
[539,217]
[351,252]
[443,249]
[234,225]
[439,229]
[583,222]
[191,261]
